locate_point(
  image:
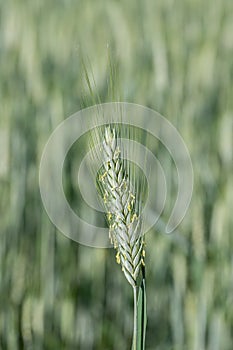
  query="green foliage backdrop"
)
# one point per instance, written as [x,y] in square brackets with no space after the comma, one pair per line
[173,56]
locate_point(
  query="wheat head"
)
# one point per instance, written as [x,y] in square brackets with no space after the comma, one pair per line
[120,203]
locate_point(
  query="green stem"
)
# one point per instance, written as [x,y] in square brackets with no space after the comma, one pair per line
[135,319]
[140,318]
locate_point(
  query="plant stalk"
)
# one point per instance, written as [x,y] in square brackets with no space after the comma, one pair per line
[135,319]
[140,318]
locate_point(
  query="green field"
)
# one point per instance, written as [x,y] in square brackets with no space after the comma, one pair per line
[175,57]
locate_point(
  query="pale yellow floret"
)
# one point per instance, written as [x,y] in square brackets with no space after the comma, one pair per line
[105,197]
[118,259]
[101,177]
[114,225]
[134,217]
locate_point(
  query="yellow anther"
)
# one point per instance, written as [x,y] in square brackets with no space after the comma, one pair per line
[101,177]
[134,217]
[105,197]
[143,263]
[143,253]
[118,259]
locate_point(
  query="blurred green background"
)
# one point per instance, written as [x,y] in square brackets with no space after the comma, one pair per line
[173,56]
